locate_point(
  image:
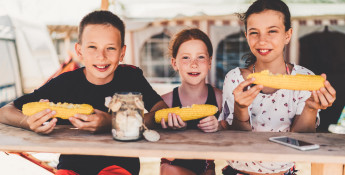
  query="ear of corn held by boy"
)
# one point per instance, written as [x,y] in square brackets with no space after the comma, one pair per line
[196,111]
[63,110]
[291,82]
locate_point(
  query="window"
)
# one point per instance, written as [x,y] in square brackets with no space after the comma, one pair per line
[7,70]
[229,55]
[155,60]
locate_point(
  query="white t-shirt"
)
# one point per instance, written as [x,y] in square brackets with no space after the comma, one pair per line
[268,113]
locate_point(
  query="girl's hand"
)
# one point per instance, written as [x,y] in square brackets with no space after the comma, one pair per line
[99,121]
[243,97]
[208,124]
[39,121]
[174,122]
[323,98]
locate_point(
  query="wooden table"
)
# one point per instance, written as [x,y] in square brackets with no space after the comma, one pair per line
[233,145]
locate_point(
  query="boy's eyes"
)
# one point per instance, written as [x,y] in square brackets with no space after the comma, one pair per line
[253,33]
[272,31]
[94,47]
[185,57]
[201,57]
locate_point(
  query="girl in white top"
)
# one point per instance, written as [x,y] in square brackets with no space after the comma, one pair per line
[253,107]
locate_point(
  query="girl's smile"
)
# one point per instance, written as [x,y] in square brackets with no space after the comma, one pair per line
[264,52]
[192,62]
[267,36]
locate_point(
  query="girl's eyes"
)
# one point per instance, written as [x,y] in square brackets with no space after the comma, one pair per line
[272,31]
[185,57]
[111,48]
[92,47]
[253,33]
[201,57]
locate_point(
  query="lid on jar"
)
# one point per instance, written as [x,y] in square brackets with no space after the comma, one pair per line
[128,94]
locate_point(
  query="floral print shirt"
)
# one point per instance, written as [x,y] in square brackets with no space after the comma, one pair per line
[268,113]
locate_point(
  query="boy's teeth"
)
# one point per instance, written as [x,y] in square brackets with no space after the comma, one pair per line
[101,67]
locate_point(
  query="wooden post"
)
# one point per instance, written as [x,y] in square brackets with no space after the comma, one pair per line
[325,169]
[105,5]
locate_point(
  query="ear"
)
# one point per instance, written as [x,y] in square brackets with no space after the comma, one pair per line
[288,35]
[77,48]
[173,64]
[123,52]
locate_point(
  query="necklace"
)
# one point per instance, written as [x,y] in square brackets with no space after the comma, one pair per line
[286,70]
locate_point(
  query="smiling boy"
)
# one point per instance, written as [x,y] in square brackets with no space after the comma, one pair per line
[100,47]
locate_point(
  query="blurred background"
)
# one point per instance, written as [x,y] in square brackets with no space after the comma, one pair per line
[37,40]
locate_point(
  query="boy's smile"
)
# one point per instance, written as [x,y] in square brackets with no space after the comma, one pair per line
[100,52]
[102,68]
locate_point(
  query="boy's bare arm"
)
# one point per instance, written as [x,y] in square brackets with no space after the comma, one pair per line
[11,115]
[149,118]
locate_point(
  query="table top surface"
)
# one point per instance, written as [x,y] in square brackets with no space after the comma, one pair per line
[227,145]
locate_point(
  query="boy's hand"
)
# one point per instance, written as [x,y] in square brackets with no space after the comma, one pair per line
[323,98]
[174,122]
[37,122]
[99,121]
[208,124]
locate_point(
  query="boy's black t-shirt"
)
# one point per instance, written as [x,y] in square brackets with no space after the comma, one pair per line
[73,87]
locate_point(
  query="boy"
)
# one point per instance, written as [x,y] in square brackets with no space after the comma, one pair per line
[101,48]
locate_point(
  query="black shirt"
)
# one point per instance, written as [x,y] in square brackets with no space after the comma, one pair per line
[195,165]
[73,87]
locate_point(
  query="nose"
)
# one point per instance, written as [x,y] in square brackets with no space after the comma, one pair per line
[194,63]
[101,54]
[262,39]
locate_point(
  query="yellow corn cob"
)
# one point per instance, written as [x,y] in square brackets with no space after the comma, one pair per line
[63,110]
[292,82]
[187,113]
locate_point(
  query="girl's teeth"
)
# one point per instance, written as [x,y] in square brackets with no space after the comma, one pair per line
[101,67]
[264,51]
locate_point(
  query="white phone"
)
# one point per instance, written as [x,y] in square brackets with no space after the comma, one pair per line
[294,143]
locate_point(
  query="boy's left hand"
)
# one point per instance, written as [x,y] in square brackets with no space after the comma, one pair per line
[99,121]
[209,124]
[322,98]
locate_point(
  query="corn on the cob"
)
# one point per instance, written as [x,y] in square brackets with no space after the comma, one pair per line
[187,113]
[63,110]
[292,82]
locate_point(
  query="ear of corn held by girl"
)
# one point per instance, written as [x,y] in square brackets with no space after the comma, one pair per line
[291,82]
[196,111]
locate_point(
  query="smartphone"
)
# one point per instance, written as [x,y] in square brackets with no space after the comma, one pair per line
[294,143]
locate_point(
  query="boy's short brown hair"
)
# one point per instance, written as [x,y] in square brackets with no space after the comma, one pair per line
[105,18]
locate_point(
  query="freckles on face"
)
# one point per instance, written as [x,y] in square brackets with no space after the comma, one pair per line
[192,60]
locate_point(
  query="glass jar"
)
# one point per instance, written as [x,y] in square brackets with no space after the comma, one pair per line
[127,116]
